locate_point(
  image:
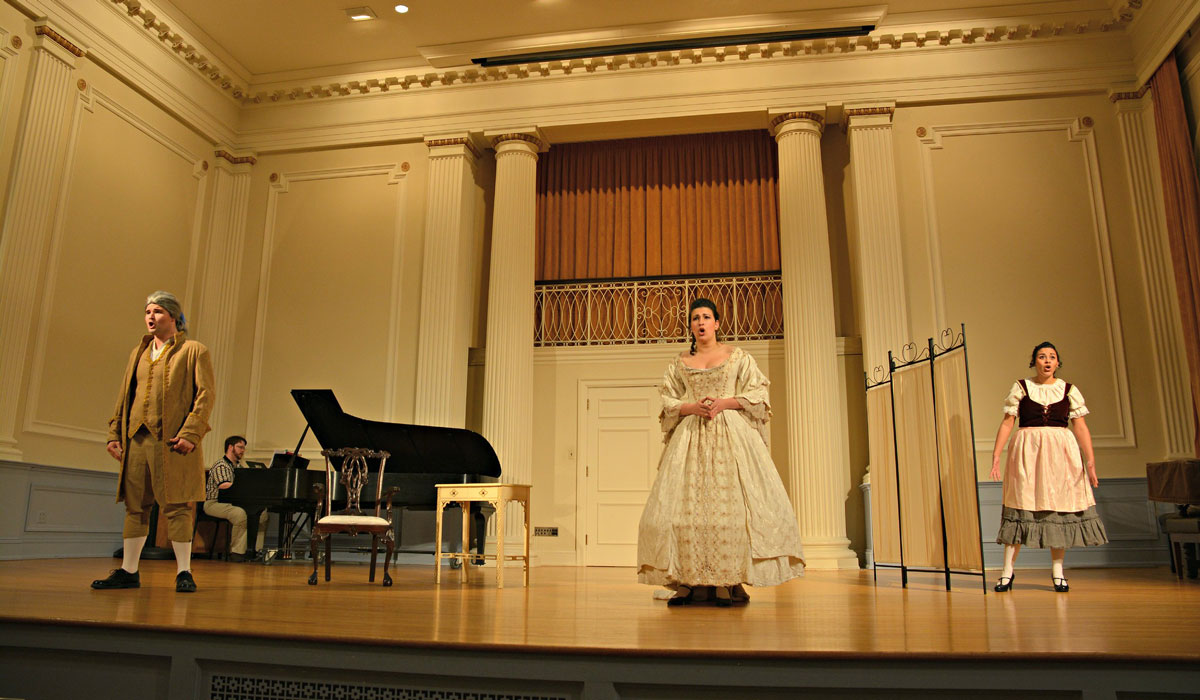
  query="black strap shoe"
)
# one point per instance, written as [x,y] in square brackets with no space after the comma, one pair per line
[1060,584]
[1005,584]
[118,578]
[184,583]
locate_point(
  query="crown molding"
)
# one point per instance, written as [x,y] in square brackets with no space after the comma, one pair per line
[919,32]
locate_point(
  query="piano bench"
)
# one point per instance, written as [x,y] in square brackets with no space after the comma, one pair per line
[1183,531]
[213,543]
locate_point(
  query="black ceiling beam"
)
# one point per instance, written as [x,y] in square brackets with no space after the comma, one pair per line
[674,45]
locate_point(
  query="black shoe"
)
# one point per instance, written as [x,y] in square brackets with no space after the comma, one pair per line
[1060,584]
[184,583]
[118,578]
[1005,583]
[722,597]
[681,598]
[237,557]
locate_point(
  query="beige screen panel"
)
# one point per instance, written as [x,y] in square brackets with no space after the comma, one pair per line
[326,321]
[885,513]
[957,462]
[920,510]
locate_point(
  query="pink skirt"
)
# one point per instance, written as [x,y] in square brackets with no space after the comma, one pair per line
[1045,472]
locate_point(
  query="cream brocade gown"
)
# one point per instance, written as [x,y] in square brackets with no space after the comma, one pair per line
[717,514]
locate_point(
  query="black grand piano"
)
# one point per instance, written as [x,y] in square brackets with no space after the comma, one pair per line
[421,457]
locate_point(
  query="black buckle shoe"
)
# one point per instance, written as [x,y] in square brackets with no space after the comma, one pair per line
[118,578]
[1060,584]
[184,583]
[1005,584]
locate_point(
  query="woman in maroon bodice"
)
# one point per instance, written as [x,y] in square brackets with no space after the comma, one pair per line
[1048,499]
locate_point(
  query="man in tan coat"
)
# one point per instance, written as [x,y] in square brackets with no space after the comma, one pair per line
[162,415]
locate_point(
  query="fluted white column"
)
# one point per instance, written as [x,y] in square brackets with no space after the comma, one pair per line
[35,183]
[443,342]
[819,472]
[214,318]
[1149,221]
[508,377]
[884,305]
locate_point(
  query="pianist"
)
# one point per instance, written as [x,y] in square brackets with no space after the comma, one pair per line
[162,414]
[220,477]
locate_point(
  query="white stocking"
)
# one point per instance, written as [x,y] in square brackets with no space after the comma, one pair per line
[183,555]
[132,553]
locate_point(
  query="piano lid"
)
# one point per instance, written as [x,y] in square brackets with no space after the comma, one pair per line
[414,448]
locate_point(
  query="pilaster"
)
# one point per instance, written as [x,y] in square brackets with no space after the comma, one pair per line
[883,305]
[1136,119]
[216,316]
[818,475]
[34,190]
[443,343]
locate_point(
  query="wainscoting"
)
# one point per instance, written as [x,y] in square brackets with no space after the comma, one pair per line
[1130,518]
[57,512]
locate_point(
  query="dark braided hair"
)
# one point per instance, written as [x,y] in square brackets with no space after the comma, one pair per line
[699,303]
[1042,346]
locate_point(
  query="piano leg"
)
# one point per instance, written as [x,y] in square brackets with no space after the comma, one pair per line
[480,538]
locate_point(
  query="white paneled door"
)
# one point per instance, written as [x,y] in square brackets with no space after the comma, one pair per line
[622,444]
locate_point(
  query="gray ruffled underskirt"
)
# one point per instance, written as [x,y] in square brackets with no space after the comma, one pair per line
[1051,529]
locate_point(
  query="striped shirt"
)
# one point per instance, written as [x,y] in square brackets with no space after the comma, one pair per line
[220,472]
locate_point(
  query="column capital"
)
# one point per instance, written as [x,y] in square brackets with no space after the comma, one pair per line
[57,41]
[813,114]
[456,143]
[229,158]
[859,114]
[531,135]
[1128,98]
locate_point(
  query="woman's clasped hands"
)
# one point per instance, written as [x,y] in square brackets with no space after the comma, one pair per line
[708,407]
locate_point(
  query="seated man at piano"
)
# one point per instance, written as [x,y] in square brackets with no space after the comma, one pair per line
[220,476]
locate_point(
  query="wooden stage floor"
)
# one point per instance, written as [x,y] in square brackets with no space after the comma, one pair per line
[1110,614]
[255,632]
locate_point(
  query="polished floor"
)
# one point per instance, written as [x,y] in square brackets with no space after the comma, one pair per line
[1119,614]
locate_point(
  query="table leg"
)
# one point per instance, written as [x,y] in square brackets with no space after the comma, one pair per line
[466,539]
[500,506]
[525,508]
[437,561]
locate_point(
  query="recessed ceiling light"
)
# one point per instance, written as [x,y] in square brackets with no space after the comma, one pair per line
[401,8]
[360,14]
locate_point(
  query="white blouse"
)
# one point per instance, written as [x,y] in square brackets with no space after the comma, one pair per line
[1045,394]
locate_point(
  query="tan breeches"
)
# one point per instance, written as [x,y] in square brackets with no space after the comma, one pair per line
[237,522]
[144,481]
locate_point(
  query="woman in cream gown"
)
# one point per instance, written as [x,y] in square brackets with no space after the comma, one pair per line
[717,514]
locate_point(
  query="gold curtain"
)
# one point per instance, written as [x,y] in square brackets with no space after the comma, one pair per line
[664,206]
[1181,195]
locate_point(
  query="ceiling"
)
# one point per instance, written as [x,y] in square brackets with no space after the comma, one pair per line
[271,40]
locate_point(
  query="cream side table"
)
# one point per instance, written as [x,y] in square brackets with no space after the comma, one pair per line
[499,495]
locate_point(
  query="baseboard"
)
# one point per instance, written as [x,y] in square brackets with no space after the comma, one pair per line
[1130,518]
